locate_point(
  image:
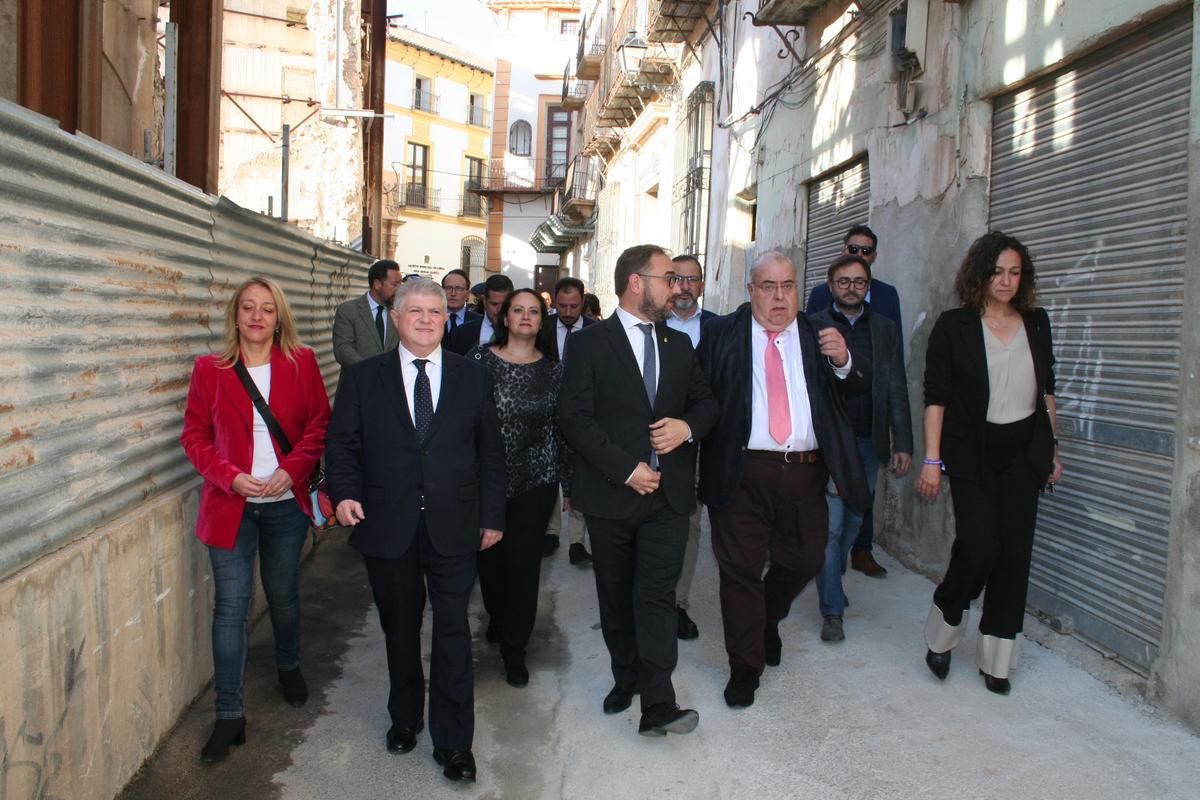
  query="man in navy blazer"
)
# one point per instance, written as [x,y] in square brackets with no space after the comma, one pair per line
[457,287]
[415,463]
[883,299]
[479,330]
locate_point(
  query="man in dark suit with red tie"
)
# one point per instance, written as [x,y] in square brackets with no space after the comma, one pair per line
[415,462]
[783,433]
[632,405]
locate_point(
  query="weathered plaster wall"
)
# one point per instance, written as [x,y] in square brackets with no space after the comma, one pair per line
[9,54]
[106,641]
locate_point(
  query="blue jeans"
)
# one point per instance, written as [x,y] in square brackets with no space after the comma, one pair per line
[843,529]
[275,532]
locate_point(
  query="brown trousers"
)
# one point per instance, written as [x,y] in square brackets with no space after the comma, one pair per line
[777,517]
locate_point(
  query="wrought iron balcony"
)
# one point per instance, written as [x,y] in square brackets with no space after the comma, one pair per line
[578,193]
[478,115]
[523,175]
[590,55]
[425,101]
[673,20]
[574,92]
[786,12]
[413,196]
[474,204]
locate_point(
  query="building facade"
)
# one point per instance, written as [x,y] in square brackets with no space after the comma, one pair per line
[1068,125]
[532,134]
[437,139]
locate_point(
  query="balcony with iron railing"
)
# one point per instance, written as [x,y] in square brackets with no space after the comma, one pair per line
[425,101]
[523,175]
[478,115]
[635,73]
[574,91]
[592,43]
[474,204]
[412,196]
[580,188]
[786,12]
[673,20]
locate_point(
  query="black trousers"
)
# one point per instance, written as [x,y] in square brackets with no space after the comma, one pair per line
[993,542]
[637,561]
[398,585]
[777,516]
[509,571]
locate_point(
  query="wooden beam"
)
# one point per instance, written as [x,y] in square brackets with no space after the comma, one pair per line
[199,91]
[375,18]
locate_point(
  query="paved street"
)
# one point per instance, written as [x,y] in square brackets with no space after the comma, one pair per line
[861,719]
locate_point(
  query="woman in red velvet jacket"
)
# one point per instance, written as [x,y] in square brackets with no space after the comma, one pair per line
[255,498]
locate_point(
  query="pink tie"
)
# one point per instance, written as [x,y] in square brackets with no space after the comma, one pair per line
[779,413]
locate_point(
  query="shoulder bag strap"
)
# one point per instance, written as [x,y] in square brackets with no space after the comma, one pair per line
[264,410]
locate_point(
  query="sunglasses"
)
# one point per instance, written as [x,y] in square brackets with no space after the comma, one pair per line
[859,249]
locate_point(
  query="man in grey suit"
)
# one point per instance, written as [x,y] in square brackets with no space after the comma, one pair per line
[879,414]
[362,327]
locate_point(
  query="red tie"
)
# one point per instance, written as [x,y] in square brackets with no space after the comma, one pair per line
[779,413]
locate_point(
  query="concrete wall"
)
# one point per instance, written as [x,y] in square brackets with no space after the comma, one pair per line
[1179,681]
[10,54]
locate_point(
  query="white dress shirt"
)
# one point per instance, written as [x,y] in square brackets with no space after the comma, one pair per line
[637,342]
[485,330]
[560,331]
[408,372]
[690,326]
[803,436]
[386,321]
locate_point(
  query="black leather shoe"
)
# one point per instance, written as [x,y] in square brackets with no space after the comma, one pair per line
[739,692]
[620,698]
[997,685]
[401,740]
[549,545]
[663,718]
[773,646]
[939,663]
[295,690]
[578,555]
[492,635]
[687,628]
[516,675]
[225,733]
[459,764]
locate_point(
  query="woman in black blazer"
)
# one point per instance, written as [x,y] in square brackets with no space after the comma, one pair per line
[989,425]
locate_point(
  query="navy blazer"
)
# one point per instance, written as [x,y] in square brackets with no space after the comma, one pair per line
[885,300]
[605,416]
[469,316]
[891,418]
[465,336]
[956,377]
[726,358]
[372,455]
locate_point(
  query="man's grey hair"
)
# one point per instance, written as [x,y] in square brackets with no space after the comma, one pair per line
[418,286]
[771,257]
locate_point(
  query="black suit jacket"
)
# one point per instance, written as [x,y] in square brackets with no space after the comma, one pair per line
[465,336]
[605,416]
[727,360]
[551,331]
[372,455]
[891,418]
[469,316]
[956,377]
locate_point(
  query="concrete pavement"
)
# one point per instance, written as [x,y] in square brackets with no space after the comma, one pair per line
[861,719]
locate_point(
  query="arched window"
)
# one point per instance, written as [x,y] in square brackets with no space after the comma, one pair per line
[474,253]
[520,138]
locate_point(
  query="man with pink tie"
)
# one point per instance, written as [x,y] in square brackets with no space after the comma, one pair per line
[782,435]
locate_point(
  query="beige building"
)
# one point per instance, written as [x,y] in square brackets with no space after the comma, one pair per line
[437,139]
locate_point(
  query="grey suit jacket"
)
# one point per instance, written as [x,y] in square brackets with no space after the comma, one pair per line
[354,334]
[890,412]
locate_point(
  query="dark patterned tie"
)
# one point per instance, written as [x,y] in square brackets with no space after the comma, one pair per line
[379,326]
[566,341]
[453,321]
[649,368]
[422,400]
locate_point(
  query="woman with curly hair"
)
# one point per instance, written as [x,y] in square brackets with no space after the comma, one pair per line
[989,425]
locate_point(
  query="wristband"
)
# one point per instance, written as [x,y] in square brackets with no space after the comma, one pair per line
[933,462]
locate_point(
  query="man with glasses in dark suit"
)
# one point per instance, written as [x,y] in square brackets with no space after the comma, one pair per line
[457,287]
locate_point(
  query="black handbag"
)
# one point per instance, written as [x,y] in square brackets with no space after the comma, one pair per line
[322,516]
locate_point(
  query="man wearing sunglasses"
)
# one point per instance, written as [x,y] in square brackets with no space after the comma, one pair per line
[883,300]
[878,412]
[687,316]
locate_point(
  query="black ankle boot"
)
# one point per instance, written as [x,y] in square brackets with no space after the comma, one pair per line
[295,690]
[996,685]
[938,663]
[225,733]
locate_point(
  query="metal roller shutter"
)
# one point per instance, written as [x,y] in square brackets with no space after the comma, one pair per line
[1089,170]
[835,202]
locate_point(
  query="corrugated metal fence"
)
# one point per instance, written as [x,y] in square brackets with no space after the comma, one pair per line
[114,277]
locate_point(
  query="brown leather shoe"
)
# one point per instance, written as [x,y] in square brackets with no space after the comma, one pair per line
[864,562]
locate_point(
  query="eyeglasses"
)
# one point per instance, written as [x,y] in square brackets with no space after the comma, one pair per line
[455,289]
[770,287]
[846,283]
[672,280]
[859,249]
[690,280]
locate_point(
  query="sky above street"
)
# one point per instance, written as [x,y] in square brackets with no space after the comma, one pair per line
[466,23]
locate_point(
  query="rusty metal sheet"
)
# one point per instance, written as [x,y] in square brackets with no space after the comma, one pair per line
[114,278]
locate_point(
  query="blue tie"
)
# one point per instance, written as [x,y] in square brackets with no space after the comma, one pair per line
[649,368]
[422,400]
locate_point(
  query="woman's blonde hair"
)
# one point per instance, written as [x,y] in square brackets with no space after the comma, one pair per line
[285,332]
